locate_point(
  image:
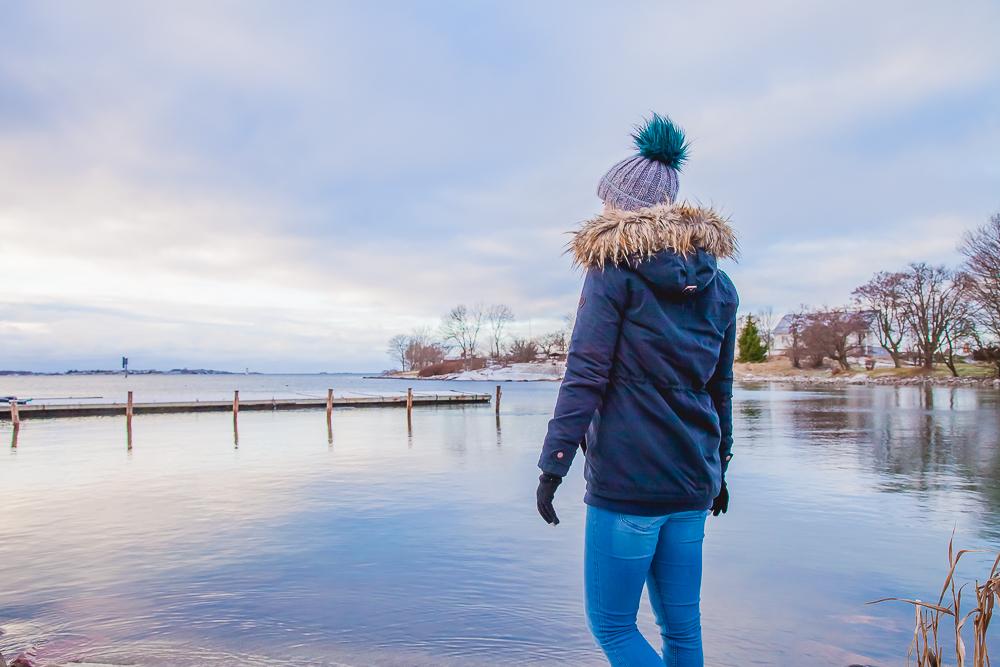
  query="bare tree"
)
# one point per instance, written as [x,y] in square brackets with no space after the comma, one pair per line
[523,350]
[986,350]
[960,327]
[397,349]
[422,355]
[931,297]
[422,336]
[765,320]
[498,316]
[981,249]
[423,350]
[552,342]
[461,326]
[883,295]
[835,334]
[797,323]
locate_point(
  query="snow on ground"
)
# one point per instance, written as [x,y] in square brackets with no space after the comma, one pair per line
[526,372]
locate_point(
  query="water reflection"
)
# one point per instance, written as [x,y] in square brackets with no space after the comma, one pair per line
[915,438]
[372,553]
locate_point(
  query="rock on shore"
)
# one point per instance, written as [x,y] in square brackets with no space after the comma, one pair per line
[769,372]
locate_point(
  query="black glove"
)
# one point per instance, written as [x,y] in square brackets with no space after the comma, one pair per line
[721,502]
[547,485]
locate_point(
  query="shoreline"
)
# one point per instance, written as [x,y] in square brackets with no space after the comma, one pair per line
[857,379]
[443,378]
[529,371]
[781,370]
[778,371]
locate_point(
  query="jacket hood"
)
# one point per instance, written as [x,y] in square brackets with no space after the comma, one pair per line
[675,247]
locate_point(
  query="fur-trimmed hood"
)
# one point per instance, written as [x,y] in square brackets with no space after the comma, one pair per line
[622,237]
[674,247]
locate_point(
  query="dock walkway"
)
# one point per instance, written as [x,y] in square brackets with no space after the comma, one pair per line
[35,411]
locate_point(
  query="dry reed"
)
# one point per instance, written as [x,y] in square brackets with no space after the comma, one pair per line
[926,646]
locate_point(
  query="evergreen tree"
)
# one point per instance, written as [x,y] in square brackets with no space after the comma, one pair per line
[750,347]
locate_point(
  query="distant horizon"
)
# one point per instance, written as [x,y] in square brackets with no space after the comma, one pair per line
[174,371]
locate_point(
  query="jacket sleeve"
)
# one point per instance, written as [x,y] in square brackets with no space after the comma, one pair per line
[720,387]
[588,366]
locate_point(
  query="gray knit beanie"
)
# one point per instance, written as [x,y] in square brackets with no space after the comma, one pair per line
[650,177]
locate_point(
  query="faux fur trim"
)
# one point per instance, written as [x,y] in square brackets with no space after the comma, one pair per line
[619,236]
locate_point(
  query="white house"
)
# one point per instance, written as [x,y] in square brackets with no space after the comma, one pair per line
[867,341]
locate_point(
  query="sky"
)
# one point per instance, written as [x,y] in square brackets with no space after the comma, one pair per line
[284,186]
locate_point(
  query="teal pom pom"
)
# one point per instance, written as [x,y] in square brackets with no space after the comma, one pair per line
[659,139]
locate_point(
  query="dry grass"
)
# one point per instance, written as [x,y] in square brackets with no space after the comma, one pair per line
[940,370]
[780,366]
[453,366]
[777,366]
[926,645]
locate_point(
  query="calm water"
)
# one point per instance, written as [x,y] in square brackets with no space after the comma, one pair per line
[390,548]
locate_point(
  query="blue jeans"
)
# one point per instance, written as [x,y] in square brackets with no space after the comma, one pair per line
[622,553]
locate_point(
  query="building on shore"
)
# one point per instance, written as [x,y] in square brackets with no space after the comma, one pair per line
[865,340]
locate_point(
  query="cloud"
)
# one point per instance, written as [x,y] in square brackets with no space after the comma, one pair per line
[827,269]
[285,188]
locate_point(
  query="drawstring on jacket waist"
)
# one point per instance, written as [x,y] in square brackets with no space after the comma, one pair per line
[656,382]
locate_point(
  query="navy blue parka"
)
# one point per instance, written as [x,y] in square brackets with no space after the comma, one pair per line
[649,375]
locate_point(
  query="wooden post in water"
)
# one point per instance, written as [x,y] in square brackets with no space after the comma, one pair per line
[329,416]
[15,419]
[236,417]
[498,400]
[128,420]
[409,407]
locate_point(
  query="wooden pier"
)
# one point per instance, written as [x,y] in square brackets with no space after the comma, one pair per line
[327,403]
